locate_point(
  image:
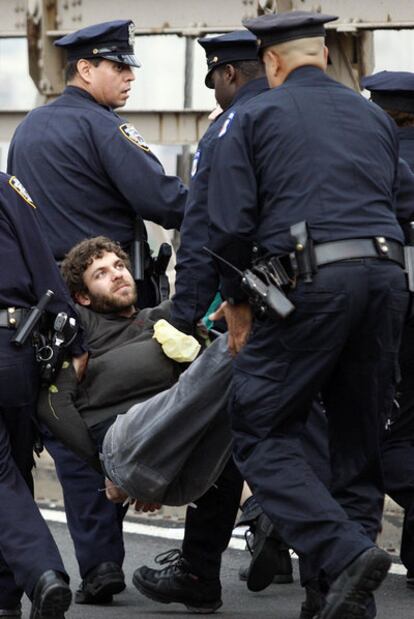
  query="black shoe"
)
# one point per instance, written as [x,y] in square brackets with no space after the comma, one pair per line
[270,557]
[100,584]
[410,580]
[350,592]
[176,583]
[313,603]
[51,597]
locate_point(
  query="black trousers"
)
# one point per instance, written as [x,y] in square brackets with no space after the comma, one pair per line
[398,450]
[27,548]
[209,526]
[342,341]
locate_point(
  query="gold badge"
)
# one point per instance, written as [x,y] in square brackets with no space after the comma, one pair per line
[21,190]
[133,136]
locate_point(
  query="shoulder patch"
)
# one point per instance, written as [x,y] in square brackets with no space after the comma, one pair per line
[194,166]
[133,136]
[21,190]
[226,124]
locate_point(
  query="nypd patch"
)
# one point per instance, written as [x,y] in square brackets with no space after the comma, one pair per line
[21,190]
[194,166]
[133,136]
[226,124]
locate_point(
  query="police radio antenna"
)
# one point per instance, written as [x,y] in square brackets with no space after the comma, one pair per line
[229,264]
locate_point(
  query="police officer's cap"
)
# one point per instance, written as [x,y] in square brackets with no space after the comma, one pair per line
[113,40]
[227,48]
[391,90]
[277,28]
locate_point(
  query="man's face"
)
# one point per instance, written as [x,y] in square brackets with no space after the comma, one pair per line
[111,82]
[110,286]
[224,89]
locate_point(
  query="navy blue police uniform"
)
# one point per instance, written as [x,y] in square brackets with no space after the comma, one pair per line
[27,547]
[313,150]
[101,176]
[196,274]
[208,528]
[100,172]
[394,92]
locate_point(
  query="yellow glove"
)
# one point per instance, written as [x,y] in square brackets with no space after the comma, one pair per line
[175,344]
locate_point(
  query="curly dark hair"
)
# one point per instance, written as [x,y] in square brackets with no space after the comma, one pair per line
[81,256]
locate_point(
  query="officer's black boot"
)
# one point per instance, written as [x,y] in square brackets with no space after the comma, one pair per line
[271,560]
[100,584]
[51,597]
[313,602]
[177,583]
[351,592]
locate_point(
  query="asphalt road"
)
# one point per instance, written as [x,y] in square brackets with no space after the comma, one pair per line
[276,602]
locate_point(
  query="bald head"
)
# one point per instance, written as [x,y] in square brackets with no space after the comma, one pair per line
[282,59]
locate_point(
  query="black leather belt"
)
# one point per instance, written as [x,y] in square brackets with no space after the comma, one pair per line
[353,249]
[11,317]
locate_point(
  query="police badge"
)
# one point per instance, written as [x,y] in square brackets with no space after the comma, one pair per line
[133,136]
[21,190]
[131,34]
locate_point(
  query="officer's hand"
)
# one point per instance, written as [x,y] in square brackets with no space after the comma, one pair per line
[80,364]
[114,493]
[239,319]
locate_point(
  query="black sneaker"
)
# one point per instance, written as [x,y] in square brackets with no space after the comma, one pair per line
[100,584]
[176,583]
[271,560]
[350,592]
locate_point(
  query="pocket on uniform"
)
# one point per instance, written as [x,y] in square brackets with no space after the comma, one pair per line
[259,390]
[318,322]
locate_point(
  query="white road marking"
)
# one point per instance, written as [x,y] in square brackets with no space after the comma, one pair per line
[177,533]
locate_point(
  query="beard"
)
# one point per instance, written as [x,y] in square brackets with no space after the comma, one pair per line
[111,303]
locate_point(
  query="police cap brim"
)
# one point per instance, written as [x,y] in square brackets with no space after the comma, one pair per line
[129,59]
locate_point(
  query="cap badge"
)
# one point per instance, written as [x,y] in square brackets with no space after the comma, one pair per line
[131,34]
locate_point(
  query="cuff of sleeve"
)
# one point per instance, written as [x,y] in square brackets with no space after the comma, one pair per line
[232,291]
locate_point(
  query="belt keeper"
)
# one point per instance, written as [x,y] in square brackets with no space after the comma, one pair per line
[381,246]
[11,317]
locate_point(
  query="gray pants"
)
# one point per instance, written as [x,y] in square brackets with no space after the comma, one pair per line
[171,448]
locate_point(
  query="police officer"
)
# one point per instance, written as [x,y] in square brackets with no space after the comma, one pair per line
[192,576]
[30,560]
[100,172]
[311,150]
[92,173]
[394,92]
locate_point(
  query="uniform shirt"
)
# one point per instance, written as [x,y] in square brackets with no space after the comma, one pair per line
[91,173]
[406,137]
[311,149]
[197,279]
[28,268]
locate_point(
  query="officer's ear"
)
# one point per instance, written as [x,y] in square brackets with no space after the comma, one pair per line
[82,298]
[325,56]
[230,73]
[84,68]
[272,64]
